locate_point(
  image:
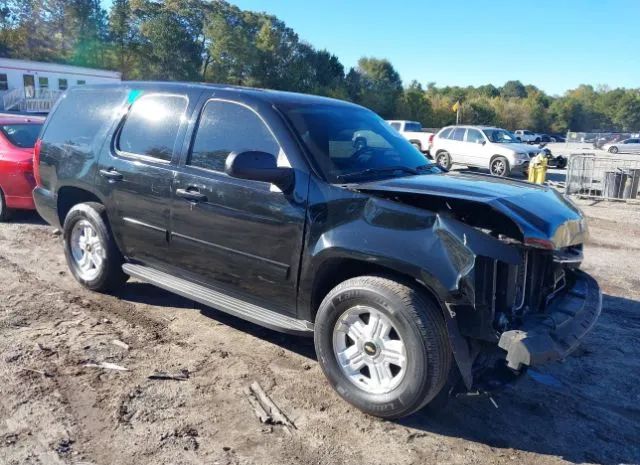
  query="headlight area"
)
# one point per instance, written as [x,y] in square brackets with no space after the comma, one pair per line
[521,158]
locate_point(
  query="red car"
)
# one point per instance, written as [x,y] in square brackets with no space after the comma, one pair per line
[18,135]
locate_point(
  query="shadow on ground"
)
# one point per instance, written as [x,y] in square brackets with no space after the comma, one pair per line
[26,217]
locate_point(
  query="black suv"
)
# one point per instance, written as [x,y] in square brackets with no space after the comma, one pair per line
[312,216]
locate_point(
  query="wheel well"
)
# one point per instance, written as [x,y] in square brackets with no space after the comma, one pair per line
[496,156]
[68,197]
[336,271]
[417,142]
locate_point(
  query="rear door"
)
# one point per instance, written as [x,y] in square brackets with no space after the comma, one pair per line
[136,172]
[244,237]
[457,147]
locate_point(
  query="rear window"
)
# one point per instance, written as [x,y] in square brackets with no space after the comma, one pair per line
[412,127]
[445,133]
[21,135]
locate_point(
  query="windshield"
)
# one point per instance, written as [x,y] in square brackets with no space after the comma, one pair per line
[500,136]
[354,144]
[21,135]
[412,127]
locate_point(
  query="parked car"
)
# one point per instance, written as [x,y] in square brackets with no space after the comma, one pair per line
[528,136]
[17,138]
[415,283]
[631,145]
[482,147]
[412,131]
[558,138]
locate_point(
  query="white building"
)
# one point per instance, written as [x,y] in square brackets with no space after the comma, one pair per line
[33,87]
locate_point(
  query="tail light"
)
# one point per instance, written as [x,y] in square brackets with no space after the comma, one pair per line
[36,162]
[431,138]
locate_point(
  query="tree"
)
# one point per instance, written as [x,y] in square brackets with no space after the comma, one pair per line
[414,104]
[380,85]
[513,89]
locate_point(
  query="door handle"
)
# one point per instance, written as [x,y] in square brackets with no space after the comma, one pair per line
[111,175]
[191,194]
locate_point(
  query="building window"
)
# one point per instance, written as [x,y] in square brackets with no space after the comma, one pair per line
[43,82]
[82,82]
[4,82]
[62,84]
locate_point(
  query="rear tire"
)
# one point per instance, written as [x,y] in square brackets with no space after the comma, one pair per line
[613,149]
[500,167]
[399,356]
[92,255]
[443,159]
[5,212]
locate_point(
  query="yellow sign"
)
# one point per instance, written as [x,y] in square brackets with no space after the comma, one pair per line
[456,106]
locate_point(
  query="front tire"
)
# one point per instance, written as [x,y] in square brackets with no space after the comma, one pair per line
[92,255]
[613,149]
[382,345]
[5,212]
[500,167]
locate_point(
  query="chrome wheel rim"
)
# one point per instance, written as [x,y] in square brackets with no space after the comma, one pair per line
[86,250]
[369,350]
[442,160]
[498,167]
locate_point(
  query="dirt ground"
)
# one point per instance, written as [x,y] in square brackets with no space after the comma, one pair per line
[56,410]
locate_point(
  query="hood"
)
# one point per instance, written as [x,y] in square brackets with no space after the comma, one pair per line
[522,148]
[536,215]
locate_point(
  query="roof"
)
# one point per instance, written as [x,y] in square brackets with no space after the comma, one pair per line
[265,95]
[46,67]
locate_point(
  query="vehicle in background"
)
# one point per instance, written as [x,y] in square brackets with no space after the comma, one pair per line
[559,137]
[489,148]
[17,138]
[527,136]
[416,284]
[546,138]
[412,131]
[631,145]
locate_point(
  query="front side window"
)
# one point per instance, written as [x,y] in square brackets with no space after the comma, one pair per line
[458,134]
[352,144]
[151,127]
[474,136]
[4,82]
[500,136]
[227,127]
[21,135]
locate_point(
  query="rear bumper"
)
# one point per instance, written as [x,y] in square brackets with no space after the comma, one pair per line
[47,206]
[556,333]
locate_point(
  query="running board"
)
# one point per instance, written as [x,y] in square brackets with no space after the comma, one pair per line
[220,301]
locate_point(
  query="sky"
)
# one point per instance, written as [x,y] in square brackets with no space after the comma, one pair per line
[553,44]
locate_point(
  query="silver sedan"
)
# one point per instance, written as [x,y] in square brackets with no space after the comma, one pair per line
[623,146]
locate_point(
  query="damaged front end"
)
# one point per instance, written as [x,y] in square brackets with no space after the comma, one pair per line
[518,298]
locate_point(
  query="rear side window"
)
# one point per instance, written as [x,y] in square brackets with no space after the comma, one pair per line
[151,127]
[458,134]
[445,133]
[395,126]
[80,115]
[227,127]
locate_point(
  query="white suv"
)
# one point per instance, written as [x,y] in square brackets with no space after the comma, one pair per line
[494,149]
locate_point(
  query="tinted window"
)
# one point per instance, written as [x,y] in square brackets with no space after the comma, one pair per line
[62,84]
[445,133]
[474,136]
[152,126]
[43,82]
[80,116]
[413,127]
[21,135]
[4,83]
[458,134]
[226,127]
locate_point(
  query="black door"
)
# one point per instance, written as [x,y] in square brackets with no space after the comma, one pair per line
[136,173]
[242,236]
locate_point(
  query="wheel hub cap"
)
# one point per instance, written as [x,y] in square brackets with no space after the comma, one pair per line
[369,350]
[87,251]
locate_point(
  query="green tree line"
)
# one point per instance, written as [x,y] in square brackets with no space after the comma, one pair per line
[214,41]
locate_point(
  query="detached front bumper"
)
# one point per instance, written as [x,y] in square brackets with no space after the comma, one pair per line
[556,333]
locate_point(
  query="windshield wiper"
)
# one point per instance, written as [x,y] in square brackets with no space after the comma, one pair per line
[369,171]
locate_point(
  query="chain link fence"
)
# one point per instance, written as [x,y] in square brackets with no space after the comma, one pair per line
[603,177]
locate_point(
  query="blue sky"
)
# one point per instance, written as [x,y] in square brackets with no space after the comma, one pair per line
[553,44]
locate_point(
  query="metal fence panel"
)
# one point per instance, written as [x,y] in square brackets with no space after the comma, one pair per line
[603,177]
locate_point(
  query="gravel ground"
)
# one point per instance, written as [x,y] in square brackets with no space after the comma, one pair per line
[54,409]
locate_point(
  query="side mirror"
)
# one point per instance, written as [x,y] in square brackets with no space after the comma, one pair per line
[259,166]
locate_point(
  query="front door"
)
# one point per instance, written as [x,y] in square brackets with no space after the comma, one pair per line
[242,236]
[29,84]
[136,174]
[476,150]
